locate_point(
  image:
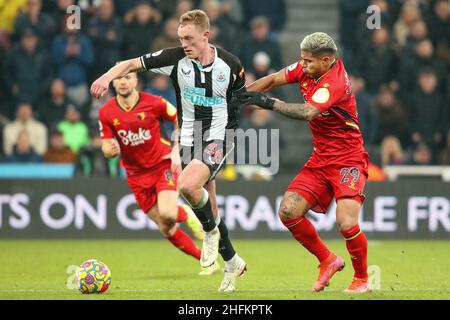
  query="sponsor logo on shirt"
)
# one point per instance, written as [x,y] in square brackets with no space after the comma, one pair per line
[186,73]
[129,137]
[196,96]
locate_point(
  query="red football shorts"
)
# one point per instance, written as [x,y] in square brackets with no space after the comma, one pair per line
[146,186]
[319,185]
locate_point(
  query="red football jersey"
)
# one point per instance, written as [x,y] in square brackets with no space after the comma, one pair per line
[336,135]
[137,130]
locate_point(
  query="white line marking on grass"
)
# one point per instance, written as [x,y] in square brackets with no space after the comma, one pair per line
[442,290]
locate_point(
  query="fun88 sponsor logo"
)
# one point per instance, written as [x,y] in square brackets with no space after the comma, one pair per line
[133,138]
[196,96]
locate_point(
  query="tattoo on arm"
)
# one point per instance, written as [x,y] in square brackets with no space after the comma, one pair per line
[299,111]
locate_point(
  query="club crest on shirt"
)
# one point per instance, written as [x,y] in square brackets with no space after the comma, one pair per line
[221,77]
[141,115]
[304,85]
[116,122]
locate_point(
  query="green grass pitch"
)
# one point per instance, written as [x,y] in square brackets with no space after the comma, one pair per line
[153,269]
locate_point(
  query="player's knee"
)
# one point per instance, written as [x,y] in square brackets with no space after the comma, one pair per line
[288,211]
[186,187]
[165,226]
[167,214]
[346,223]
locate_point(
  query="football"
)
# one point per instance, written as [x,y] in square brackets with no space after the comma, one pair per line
[93,277]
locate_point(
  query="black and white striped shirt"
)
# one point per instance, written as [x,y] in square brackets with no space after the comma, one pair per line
[204,93]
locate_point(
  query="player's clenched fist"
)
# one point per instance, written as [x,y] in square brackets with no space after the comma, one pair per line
[100,86]
[110,148]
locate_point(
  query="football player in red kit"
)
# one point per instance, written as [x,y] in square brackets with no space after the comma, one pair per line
[338,165]
[130,127]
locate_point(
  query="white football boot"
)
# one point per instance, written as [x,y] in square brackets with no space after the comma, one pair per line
[229,280]
[210,247]
[215,267]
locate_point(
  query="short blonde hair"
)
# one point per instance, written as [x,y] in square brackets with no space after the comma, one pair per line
[318,43]
[196,17]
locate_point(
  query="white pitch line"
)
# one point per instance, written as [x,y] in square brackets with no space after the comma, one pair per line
[440,290]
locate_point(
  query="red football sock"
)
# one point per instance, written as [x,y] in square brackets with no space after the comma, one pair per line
[305,233]
[183,242]
[182,214]
[356,242]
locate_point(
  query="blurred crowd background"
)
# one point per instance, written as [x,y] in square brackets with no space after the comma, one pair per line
[399,71]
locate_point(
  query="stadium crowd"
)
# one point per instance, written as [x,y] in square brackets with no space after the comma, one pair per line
[399,72]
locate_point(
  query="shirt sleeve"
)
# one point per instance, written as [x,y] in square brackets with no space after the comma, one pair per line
[162,61]
[326,96]
[167,110]
[239,79]
[294,72]
[105,129]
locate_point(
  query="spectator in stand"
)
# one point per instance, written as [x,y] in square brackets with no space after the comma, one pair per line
[274,11]
[72,54]
[259,41]
[23,151]
[392,152]
[368,117]
[58,151]
[409,14]
[182,7]
[105,30]
[142,23]
[161,86]
[170,36]
[9,13]
[423,58]
[165,8]
[35,19]
[59,13]
[378,62]
[439,26]
[391,116]
[51,111]
[76,133]
[25,121]
[261,65]
[421,155]
[227,31]
[417,32]
[355,35]
[427,110]
[27,70]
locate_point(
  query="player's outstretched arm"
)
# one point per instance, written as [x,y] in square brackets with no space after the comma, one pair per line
[100,86]
[269,82]
[299,111]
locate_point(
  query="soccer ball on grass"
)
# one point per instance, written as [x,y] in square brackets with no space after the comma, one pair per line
[93,277]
